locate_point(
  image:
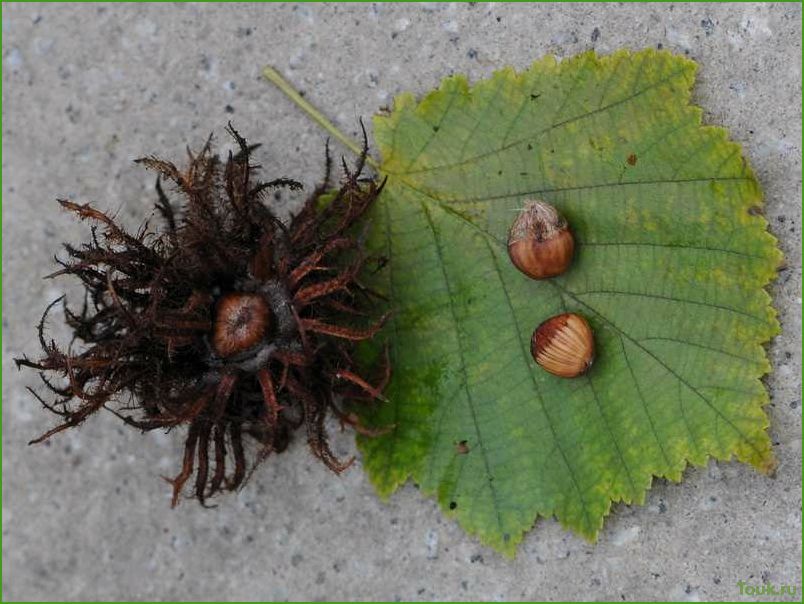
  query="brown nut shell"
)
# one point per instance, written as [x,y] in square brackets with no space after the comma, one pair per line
[540,243]
[564,345]
[241,321]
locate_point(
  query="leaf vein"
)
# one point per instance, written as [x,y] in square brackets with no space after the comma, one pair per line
[644,404]
[611,436]
[433,129]
[667,368]
[537,135]
[680,246]
[613,292]
[464,372]
[537,390]
[687,343]
[489,198]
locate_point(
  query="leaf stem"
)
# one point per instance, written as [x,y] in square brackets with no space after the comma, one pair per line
[273,76]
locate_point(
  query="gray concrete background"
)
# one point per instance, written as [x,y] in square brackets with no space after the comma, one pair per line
[88,88]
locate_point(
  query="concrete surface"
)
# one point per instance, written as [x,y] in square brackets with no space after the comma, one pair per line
[88,88]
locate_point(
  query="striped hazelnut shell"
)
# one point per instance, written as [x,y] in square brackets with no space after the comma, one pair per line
[564,345]
[540,243]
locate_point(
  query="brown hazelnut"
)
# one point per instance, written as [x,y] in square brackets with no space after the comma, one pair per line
[540,243]
[564,345]
[241,321]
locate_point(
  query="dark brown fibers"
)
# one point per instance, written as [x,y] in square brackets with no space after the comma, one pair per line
[226,320]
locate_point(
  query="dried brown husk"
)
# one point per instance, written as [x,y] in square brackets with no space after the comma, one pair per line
[142,345]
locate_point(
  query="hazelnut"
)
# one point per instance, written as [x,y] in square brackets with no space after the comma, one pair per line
[540,243]
[241,321]
[564,345]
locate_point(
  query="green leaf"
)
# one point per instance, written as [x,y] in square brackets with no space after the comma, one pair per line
[671,264]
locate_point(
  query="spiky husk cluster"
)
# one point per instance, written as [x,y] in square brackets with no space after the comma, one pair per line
[155,300]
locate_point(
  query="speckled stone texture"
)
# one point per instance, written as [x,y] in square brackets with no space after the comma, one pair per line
[88,88]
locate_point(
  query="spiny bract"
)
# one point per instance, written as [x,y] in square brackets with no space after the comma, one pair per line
[226,320]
